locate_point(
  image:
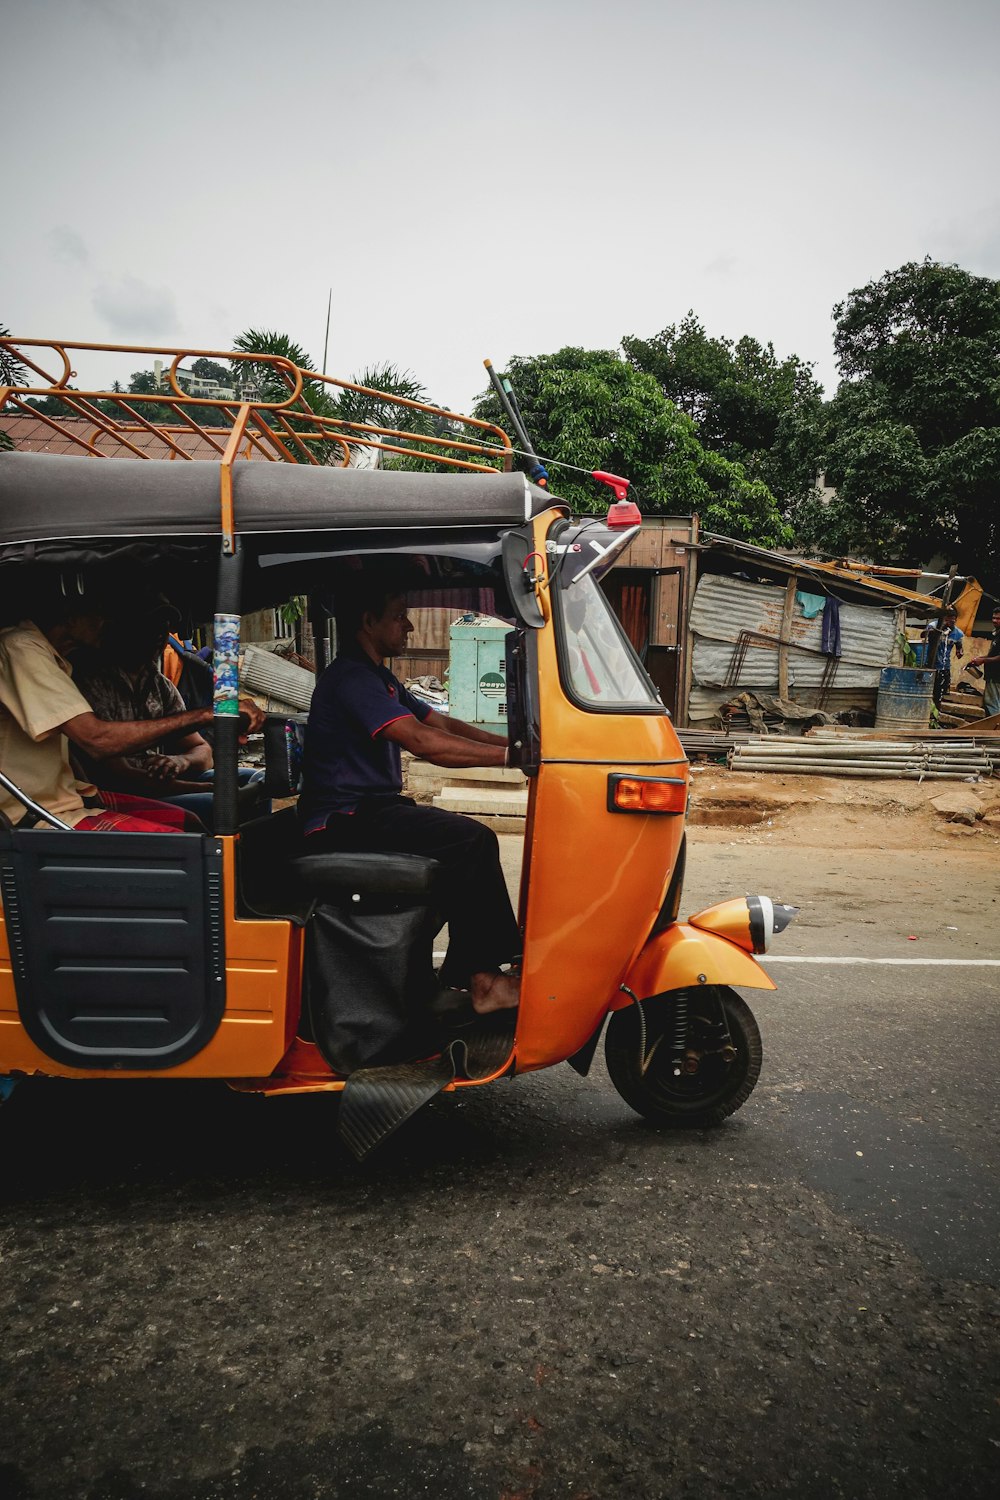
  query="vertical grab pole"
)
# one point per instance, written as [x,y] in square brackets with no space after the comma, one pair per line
[318,618]
[226,648]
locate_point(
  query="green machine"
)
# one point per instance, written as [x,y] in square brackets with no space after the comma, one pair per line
[477,675]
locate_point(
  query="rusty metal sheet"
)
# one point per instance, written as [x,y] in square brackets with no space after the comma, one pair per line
[724,606]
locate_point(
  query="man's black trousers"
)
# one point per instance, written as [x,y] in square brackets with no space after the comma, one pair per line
[482,928]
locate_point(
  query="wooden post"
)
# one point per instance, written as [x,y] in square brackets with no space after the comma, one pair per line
[785,633]
[685,673]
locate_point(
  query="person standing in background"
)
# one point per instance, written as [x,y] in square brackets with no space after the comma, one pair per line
[990,664]
[950,639]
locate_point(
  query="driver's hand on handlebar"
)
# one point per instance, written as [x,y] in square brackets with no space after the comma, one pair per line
[251,717]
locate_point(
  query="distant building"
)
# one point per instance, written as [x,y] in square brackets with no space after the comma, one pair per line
[194,385]
[825,493]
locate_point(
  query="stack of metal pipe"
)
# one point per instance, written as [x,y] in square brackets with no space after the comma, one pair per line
[710,741]
[869,758]
[988,741]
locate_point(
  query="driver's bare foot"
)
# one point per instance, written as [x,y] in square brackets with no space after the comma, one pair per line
[492,991]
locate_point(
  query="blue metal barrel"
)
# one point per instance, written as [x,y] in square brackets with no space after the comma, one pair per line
[904,698]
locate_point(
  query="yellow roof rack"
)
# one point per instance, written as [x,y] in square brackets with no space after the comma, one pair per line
[302,427]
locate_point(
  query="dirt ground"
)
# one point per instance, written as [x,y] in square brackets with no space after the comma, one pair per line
[863,859]
[828,811]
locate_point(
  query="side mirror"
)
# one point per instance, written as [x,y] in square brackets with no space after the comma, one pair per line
[518,547]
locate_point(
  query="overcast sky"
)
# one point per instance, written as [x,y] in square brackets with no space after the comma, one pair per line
[478,179]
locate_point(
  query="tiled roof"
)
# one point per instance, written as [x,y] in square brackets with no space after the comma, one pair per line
[33,435]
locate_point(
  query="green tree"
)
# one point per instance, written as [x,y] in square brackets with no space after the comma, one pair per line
[354,406]
[207,369]
[914,429]
[12,370]
[54,406]
[590,409]
[747,404]
[141,383]
[379,410]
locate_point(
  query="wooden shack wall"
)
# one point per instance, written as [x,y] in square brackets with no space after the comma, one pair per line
[664,543]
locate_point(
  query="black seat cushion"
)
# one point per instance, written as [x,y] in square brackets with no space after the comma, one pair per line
[367,874]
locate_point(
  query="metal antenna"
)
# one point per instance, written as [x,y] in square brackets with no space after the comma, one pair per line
[326,336]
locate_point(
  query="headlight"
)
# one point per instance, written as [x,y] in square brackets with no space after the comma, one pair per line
[766,918]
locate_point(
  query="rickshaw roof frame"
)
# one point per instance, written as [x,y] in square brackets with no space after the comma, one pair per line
[246,418]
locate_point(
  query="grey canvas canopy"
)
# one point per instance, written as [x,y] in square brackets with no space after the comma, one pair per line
[48,498]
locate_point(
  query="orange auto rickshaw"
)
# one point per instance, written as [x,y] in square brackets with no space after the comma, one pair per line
[227,955]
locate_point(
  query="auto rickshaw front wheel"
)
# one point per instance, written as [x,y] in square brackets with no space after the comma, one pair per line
[686,1059]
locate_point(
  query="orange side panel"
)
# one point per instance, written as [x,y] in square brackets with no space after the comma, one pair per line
[597,882]
[263,983]
[598,878]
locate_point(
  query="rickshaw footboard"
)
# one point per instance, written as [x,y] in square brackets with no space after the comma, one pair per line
[376,1101]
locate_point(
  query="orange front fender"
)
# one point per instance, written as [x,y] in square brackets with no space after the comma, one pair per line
[683,957]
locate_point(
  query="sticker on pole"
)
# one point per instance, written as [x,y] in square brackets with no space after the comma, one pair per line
[226,666]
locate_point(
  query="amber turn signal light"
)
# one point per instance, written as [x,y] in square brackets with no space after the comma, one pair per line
[647,794]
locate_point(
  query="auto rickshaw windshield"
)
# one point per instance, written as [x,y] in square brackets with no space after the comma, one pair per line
[598,664]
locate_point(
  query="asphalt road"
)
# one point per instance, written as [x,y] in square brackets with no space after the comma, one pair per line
[528,1293]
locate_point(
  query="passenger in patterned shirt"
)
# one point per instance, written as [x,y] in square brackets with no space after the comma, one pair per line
[122,682]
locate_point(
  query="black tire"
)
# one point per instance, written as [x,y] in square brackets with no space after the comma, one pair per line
[720,1083]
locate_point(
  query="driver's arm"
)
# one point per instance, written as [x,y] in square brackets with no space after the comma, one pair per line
[446,747]
[449,725]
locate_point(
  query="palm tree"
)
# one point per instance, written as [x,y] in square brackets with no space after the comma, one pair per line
[354,406]
[266,380]
[263,381]
[12,372]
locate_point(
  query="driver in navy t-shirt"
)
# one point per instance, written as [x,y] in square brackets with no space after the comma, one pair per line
[360,720]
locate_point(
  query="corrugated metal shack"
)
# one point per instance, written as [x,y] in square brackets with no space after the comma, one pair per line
[763,622]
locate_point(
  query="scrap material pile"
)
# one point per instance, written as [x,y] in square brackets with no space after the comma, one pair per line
[826,754]
[282,686]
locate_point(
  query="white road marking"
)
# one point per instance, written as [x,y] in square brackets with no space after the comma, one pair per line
[798,958]
[795,958]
